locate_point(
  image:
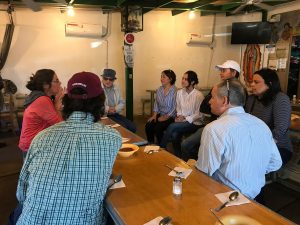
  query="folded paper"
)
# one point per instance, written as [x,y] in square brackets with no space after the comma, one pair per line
[120,184]
[241,199]
[154,221]
[151,148]
[185,172]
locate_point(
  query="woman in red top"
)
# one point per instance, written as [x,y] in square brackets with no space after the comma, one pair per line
[42,106]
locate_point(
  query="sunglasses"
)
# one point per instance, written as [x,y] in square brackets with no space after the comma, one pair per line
[110,79]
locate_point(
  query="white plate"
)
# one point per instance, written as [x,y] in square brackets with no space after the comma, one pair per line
[238,220]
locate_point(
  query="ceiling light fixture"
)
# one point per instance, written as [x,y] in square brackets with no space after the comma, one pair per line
[70,10]
[192,15]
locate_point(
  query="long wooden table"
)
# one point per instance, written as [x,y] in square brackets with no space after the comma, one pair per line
[133,138]
[148,194]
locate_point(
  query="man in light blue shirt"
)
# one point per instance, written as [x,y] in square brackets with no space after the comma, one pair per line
[237,149]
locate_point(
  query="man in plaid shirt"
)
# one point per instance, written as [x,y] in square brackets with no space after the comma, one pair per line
[65,176]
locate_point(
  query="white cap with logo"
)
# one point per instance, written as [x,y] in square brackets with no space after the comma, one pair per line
[229,64]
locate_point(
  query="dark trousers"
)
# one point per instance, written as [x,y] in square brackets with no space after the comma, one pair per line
[157,129]
[123,121]
[14,216]
[285,154]
[174,134]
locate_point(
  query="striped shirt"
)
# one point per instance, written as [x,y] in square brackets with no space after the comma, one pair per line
[238,150]
[188,105]
[66,172]
[277,115]
[165,104]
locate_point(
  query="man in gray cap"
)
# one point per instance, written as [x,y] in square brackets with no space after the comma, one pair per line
[114,103]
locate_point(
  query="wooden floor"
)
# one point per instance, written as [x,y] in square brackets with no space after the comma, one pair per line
[278,197]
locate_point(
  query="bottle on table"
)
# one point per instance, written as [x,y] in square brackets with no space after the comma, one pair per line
[177,186]
[294,100]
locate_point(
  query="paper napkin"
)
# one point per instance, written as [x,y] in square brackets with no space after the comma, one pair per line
[120,184]
[151,148]
[125,139]
[241,199]
[154,221]
[185,172]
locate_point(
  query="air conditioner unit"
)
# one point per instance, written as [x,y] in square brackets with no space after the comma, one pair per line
[198,39]
[84,30]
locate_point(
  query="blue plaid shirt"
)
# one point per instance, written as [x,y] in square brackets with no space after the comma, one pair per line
[64,178]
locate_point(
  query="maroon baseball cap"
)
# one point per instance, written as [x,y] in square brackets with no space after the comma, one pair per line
[89,82]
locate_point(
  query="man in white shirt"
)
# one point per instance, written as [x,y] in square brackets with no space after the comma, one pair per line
[237,149]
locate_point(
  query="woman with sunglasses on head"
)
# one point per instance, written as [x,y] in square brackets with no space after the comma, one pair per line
[188,117]
[271,105]
[164,107]
[42,106]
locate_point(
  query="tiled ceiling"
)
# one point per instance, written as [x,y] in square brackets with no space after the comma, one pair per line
[206,7]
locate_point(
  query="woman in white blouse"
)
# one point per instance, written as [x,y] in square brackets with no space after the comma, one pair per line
[188,117]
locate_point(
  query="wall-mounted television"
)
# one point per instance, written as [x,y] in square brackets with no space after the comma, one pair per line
[251,33]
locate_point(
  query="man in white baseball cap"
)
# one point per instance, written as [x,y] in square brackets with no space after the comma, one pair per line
[189,147]
[229,69]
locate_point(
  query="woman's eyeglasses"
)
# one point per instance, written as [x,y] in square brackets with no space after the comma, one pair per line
[56,81]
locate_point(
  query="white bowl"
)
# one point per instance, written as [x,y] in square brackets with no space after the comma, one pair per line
[130,150]
[237,220]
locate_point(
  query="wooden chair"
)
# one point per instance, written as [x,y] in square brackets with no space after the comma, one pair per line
[144,102]
[8,113]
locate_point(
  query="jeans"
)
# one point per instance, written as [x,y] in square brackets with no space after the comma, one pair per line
[174,134]
[190,145]
[157,129]
[123,121]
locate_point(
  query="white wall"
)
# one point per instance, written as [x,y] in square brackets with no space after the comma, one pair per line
[162,45]
[39,42]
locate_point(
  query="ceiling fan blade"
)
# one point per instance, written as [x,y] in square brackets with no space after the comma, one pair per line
[61,1]
[230,6]
[34,6]
[226,2]
[274,1]
[263,6]
[238,9]
[220,2]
